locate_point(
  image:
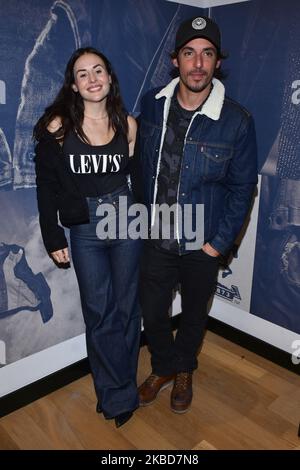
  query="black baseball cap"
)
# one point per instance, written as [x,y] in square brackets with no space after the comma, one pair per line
[198,27]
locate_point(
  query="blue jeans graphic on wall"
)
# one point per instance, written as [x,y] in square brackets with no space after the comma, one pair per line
[20,288]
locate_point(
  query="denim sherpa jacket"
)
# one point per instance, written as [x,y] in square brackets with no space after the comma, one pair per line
[219,161]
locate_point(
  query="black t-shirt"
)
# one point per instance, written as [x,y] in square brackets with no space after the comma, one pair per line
[168,178]
[98,169]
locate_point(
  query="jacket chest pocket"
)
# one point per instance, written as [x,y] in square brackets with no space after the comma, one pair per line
[212,161]
[149,143]
[149,136]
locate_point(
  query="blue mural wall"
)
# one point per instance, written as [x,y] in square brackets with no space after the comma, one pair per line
[39,304]
[264,75]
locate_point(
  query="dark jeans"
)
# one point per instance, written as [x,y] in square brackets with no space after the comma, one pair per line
[161,271]
[107,274]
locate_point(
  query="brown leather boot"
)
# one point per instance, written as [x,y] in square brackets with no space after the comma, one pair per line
[149,389]
[182,392]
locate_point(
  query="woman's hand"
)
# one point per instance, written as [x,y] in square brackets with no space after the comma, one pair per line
[61,256]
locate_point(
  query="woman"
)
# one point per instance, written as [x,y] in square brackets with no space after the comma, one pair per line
[85,141]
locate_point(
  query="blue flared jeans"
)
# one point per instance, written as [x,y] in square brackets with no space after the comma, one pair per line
[107,274]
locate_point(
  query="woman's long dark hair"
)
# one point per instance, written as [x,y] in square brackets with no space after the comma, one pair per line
[68,105]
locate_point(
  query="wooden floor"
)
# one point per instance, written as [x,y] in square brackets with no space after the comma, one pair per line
[241,401]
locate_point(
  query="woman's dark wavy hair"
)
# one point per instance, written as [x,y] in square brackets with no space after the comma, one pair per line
[68,105]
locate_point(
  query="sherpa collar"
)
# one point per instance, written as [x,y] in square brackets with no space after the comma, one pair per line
[213,105]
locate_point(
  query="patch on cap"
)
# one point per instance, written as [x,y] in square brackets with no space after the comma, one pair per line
[199,27]
[199,23]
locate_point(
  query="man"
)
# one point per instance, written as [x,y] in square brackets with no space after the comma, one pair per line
[197,148]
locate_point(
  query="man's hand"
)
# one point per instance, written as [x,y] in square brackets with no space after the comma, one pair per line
[209,250]
[61,256]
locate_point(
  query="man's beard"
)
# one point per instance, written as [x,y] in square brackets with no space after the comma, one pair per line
[198,88]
